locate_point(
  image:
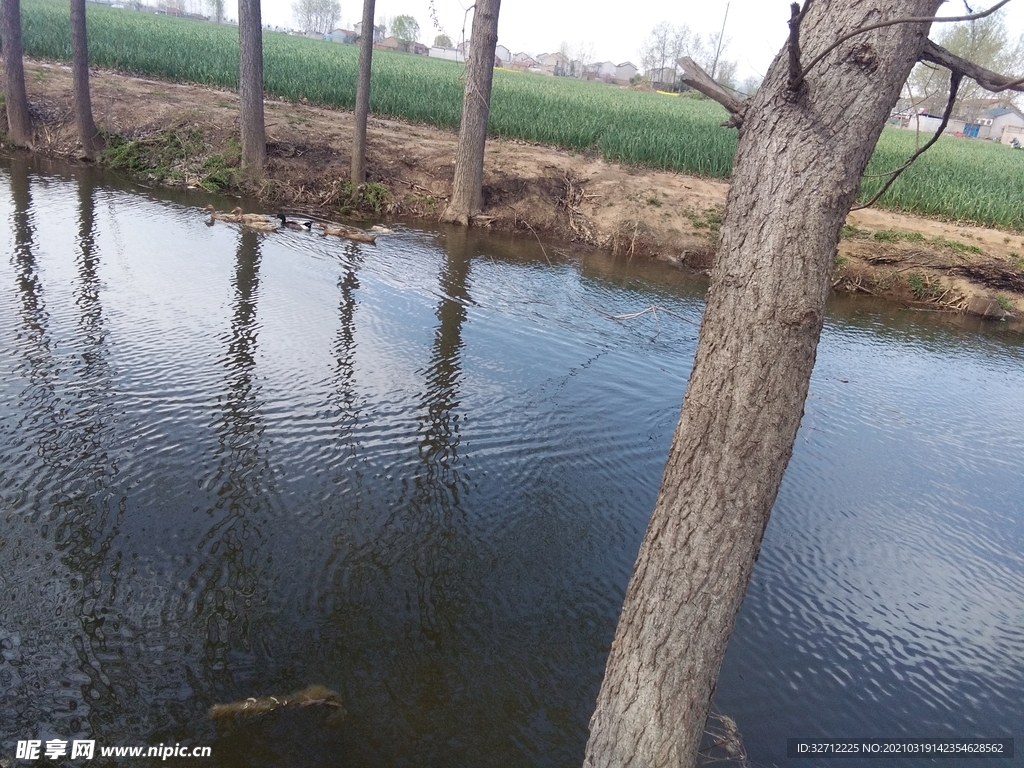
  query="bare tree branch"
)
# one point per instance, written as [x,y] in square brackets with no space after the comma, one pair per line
[987,79]
[959,68]
[893,22]
[796,75]
[954,86]
[701,81]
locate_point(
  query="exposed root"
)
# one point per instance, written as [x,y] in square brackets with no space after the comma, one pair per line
[572,196]
[722,743]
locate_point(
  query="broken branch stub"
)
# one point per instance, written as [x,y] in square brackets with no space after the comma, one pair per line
[701,81]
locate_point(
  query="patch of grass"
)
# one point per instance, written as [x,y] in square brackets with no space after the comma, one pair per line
[371,196]
[1016,260]
[894,236]
[376,196]
[219,173]
[711,219]
[154,156]
[840,263]
[429,201]
[1005,303]
[220,170]
[955,245]
[851,232]
[917,285]
[924,287]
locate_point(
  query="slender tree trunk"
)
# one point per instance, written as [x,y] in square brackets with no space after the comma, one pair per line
[87,133]
[250,86]
[467,189]
[19,125]
[798,165]
[363,95]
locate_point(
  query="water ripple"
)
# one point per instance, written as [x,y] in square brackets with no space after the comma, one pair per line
[418,473]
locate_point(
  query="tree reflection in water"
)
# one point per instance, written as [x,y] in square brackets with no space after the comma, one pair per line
[75,682]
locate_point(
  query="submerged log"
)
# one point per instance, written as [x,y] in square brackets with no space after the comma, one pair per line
[314,695]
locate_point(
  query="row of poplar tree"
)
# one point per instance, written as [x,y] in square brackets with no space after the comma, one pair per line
[467,194]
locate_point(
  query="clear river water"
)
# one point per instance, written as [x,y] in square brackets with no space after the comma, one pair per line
[234,465]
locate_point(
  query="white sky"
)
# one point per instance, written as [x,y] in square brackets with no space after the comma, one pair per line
[756,28]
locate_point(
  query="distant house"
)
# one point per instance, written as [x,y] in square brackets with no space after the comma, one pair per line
[575,68]
[556,64]
[378,32]
[605,70]
[928,124]
[349,36]
[967,110]
[1002,124]
[420,49]
[523,61]
[438,52]
[174,10]
[625,72]
[392,43]
[503,55]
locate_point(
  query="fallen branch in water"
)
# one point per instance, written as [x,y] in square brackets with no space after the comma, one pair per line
[251,708]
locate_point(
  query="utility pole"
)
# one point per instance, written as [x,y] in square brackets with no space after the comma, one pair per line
[721,37]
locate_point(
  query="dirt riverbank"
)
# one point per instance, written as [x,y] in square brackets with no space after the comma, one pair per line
[188,135]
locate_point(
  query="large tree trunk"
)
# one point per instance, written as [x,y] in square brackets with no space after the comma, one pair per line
[467,189]
[250,86]
[87,133]
[798,165]
[363,95]
[19,125]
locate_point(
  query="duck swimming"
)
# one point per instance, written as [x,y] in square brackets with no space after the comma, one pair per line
[261,224]
[351,234]
[233,216]
[252,218]
[285,224]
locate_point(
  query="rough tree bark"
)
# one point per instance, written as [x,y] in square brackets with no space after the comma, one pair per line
[363,95]
[467,190]
[250,86]
[88,136]
[798,165]
[19,124]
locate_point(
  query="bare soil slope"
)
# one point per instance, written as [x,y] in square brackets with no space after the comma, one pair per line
[556,194]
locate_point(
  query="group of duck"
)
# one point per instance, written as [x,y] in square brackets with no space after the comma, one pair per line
[263,223]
